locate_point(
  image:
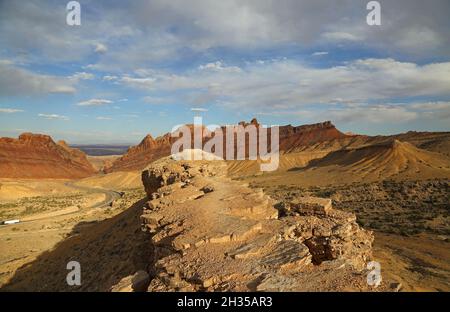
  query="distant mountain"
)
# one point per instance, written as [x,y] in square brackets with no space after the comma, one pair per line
[298,146]
[385,160]
[38,156]
[102,149]
[139,156]
[291,137]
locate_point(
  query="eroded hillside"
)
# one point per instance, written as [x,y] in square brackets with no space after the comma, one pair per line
[212,233]
[38,156]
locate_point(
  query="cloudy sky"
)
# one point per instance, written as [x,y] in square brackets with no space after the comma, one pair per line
[138,67]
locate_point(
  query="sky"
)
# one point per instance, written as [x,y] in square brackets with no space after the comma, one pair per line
[138,67]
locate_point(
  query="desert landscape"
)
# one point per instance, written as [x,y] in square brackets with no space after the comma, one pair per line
[207,146]
[147,221]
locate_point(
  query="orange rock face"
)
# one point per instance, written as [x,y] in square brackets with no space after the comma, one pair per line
[139,156]
[293,137]
[38,156]
[149,150]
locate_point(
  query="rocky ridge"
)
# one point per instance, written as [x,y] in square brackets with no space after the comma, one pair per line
[149,149]
[215,234]
[38,156]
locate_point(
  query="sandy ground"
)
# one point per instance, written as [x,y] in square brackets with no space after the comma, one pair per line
[66,205]
[101,161]
[419,263]
[12,189]
[115,180]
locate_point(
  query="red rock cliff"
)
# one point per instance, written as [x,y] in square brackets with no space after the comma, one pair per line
[38,156]
[150,149]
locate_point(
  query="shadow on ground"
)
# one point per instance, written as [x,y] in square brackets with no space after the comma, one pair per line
[107,251]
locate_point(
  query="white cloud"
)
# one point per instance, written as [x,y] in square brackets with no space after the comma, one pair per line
[94,102]
[156,100]
[53,117]
[408,26]
[103,118]
[439,110]
[138,82]
[383,113]
[110,78]
[6,62]
[288,84]
[320,53]
[340,36]
[17,81]
[218,66]
[82,76]
[131,115]
[419,39]
[10,110]
[100,48]
[371,114]
[199,109]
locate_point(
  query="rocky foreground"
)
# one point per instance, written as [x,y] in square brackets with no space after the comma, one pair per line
[210,233]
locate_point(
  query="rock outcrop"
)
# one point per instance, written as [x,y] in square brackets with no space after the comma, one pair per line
[292,138]
[215,234]
[139,156]
[38,156]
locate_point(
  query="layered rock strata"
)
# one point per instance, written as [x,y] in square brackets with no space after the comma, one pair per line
[38,156]
[291,137]
[215,234]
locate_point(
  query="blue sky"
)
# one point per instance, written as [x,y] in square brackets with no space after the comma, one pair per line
[137,68]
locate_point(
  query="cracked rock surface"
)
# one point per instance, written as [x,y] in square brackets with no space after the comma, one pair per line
[211,233]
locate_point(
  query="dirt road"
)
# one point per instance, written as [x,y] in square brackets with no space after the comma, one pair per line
[110,197]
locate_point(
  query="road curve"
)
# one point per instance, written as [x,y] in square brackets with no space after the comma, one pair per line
[110,197]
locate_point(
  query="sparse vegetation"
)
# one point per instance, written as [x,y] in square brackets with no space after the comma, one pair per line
[404,208]
[31,205]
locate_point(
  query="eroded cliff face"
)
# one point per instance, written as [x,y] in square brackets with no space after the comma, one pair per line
[38,156]
[212,233]
[149,149]
[139,156]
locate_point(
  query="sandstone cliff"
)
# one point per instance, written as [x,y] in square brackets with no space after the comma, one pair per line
[38,156]
[139,156]
[291,138]
[215,234]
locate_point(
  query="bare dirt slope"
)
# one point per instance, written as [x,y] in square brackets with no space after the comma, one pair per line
[393,160]
[107,241]
[13,189]
[286,161]
[102,162]
[36,156]
[117,180]
[419,263]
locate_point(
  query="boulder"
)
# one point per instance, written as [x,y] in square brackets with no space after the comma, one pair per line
[311,206]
